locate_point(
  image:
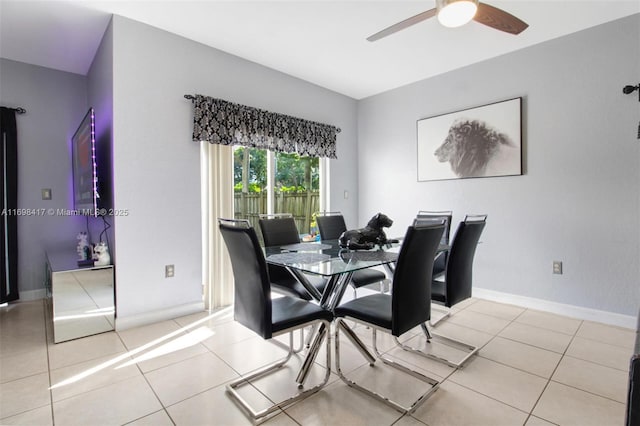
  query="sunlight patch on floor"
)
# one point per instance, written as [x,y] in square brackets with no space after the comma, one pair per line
[182,342]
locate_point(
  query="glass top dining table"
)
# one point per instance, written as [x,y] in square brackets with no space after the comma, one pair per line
[328,259]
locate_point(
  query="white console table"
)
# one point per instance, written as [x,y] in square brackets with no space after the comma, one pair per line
[81,298]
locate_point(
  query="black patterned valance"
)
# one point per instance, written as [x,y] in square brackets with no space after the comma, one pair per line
[226,123]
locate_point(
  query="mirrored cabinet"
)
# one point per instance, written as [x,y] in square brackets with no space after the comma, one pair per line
[81,299]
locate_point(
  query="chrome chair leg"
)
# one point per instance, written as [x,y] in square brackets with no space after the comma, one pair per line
[322,333]
[385,286]
[431,337]
[425,331]
[301,347]
[433,384]
[446,314]
[353,337]
[302,342]
[307,342]
[232,387]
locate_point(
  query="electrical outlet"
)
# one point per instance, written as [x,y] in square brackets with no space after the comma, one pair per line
[346,195]
[557,267]
[46,193]
[169,271]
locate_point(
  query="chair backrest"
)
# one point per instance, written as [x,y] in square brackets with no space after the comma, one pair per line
[459,272]
[279,231]
[440,263]
[411,296]
[252,289]
[437,216]
[331,225]
[274,215]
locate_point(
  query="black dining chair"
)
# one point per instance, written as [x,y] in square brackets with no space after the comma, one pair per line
[331,225]
[278,229]
[254,308]
[440,262]
[458,277]
[406,307]
[456,286]
[281,230]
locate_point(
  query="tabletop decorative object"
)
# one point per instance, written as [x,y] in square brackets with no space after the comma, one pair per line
[366,238]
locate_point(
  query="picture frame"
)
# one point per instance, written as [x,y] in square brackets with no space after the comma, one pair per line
[484,141]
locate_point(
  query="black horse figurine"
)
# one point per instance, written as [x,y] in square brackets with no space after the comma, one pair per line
[366,238]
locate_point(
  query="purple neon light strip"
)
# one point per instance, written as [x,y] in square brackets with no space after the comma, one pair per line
[93,159]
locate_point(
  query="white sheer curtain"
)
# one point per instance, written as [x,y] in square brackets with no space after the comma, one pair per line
[217,202]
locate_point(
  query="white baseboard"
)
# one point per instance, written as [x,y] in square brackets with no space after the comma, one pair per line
[159,315]
[578,312]
[28,295]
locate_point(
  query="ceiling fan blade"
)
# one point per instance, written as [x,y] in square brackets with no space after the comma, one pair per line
[403,24]
[499,19]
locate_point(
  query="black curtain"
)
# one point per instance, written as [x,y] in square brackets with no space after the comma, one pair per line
[9,200]
[227,123]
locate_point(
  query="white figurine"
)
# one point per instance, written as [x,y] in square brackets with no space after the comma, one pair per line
[83,249]
[101,254]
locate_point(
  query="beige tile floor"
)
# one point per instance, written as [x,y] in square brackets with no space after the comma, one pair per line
[534,368]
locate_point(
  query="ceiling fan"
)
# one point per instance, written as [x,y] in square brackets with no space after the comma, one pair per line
[455,13]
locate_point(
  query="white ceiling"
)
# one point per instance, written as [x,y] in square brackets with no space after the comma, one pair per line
[319,41]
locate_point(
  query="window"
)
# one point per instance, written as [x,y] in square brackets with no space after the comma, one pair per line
[255,181]
[266,182]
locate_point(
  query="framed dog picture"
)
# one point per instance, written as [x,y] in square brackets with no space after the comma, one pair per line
[477,142]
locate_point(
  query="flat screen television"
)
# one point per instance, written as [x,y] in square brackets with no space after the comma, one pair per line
[85,173]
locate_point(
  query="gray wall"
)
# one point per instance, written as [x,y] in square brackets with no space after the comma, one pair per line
[578,199]
[157,166]
[56,102]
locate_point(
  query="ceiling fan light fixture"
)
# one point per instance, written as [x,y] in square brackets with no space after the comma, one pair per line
[455,13]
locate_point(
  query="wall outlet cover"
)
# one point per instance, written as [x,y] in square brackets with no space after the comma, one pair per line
[169,271]
[557,267]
